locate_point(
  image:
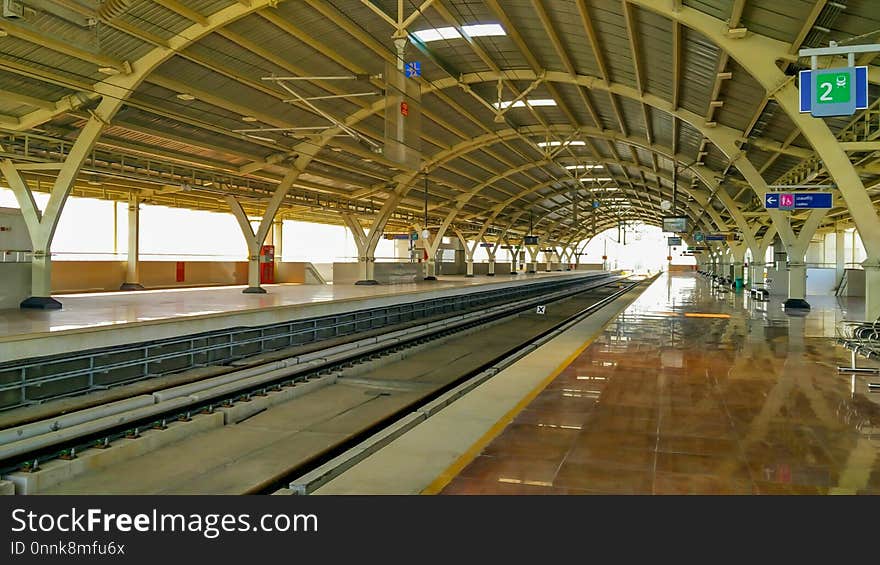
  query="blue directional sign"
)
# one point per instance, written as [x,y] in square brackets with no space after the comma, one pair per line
[673,241]
[715,237]
[798,200]
[807,103]
[413,69]
[595,203]
[812,200]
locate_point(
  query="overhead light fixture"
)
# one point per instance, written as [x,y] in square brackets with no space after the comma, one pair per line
[108,70]
[596,179]
[522,103]
[582,167]
[576,143]
[185,96]
[475,30]
[248,119]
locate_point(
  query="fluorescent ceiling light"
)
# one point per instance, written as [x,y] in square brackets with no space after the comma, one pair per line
[596,179]
[186,96]
[581,167]
[558,143]
[476,30]
[248,119]
[522,103]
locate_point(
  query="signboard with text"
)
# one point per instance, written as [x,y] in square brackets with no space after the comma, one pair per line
[798,200]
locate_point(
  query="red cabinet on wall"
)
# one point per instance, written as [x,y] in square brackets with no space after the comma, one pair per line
[267,264]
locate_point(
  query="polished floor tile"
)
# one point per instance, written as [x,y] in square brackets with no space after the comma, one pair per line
[693,392]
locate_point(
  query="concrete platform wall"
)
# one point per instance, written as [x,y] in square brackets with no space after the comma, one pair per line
[386,273]
[15,284]
[821,281]
[855,282]
[101,276]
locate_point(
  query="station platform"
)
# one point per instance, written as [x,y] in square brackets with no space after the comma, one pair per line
[685,391]
[107,319]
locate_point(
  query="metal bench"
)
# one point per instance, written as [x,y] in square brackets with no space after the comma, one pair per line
[759,293]
[861,338]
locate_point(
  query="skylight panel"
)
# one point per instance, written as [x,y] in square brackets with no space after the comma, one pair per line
[575,143]
[522,104]
[475,30]
[436,34]
[484,30]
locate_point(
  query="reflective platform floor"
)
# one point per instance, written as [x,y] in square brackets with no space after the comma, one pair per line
[689,391]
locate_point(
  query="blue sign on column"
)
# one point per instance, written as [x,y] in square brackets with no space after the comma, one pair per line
[812,200]
[798,200]
[413,69]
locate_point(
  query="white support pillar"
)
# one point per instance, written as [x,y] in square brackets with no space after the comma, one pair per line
[253,246]
[277,239]
[468,253]
[872,290]
[532,265]
[41,224]
[255,240]
[738,255]
[491,251]
[431,244]
[514,258]
[366,257]
[132,265]
[839,255]
[797,268]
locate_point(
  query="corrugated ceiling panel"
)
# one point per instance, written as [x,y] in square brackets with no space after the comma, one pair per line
[655,48]
[779,19]
[610,25]
[699,64]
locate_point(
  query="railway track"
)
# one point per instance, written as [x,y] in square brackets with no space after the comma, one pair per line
[243,394]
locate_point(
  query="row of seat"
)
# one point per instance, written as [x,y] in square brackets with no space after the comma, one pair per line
[722,282]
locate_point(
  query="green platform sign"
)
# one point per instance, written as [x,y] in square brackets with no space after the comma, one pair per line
[834,92]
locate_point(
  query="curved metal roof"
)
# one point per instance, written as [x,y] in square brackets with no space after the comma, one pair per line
[627,90]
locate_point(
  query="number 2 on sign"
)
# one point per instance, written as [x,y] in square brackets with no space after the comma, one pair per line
[826,96]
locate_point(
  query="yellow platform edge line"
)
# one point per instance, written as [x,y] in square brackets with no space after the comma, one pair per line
[465,458]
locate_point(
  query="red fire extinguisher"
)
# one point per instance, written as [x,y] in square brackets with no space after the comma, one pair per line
[267,264]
